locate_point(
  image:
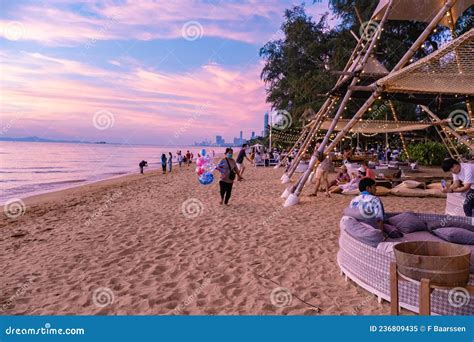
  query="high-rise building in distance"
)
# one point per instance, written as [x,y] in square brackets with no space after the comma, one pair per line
[265,124]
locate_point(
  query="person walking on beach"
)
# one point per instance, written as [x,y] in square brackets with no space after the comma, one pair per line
[180,159]
[462,173]
[170,161]
[163,162]
[240,159]
[229,171]
[188,158]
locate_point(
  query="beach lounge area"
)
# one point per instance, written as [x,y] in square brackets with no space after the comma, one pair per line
[131,189]
[182,253]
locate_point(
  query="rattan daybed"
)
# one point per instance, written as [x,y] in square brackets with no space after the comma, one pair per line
[369,268]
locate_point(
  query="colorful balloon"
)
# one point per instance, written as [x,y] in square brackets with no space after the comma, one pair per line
[209,167]
[200,170]
[200,161]
[203,152]
[206,178]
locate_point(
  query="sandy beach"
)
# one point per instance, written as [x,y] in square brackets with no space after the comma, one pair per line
[127,246]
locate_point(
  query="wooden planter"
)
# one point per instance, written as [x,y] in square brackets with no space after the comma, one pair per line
[442,263]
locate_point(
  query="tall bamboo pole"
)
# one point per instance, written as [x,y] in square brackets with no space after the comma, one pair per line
[451,130]
[300,138]
[368,50]
[318,122]
[395,117]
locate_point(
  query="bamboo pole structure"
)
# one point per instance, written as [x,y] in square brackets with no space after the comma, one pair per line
[367,51]
[403,61]
[450,129]
[300,138]
[395,118]
[296,190]
[323,111]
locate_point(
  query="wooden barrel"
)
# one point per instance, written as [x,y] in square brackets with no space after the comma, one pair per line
[445,264]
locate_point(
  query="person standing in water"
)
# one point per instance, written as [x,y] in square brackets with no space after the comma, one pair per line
[229,171]
[170,161]
[163,162]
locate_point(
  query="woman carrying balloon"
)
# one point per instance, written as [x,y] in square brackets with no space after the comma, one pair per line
[229,171]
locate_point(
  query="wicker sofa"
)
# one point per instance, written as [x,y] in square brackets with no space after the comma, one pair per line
[369,268]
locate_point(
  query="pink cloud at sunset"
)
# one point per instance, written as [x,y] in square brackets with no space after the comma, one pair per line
[152,64]
[148,20]
[142,98]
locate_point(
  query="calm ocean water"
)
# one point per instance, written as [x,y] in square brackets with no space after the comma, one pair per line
[28,168]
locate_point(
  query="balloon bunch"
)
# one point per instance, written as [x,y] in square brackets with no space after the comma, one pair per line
[204,168]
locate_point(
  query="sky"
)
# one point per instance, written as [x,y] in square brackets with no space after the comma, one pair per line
[140,71]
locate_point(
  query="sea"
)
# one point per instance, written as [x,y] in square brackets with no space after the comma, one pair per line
[32,168]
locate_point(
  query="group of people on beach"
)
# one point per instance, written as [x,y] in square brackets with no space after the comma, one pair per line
[344,181]
[167,161]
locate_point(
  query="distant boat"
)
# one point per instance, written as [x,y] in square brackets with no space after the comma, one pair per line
[100,142]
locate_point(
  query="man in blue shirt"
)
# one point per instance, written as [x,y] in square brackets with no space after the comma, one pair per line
[370,206]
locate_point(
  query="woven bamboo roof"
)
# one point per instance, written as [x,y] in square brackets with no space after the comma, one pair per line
[449,70]
[421,10]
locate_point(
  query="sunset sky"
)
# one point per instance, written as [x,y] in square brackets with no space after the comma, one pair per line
[139,71]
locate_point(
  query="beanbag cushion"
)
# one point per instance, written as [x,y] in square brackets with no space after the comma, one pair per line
[410,184]
[382,191]
[407,222]
[363,232]
[447,222]
[435,193]
[406,192]
[455,235]
[392,231]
